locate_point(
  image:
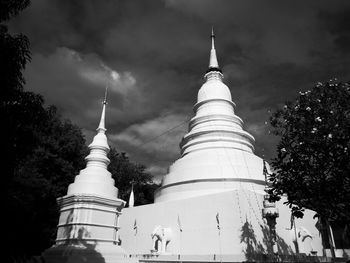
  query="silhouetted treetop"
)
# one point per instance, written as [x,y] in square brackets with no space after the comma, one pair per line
[10,8]
[312,166]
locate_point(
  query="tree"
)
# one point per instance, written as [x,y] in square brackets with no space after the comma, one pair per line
[14,53]
[10,8]
[126,174]
[38,179]
[42,153]
[312,167]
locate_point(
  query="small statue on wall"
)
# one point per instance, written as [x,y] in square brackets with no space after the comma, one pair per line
[303,238]
[161,236]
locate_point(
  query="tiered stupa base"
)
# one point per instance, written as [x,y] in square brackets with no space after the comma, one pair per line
[87,231]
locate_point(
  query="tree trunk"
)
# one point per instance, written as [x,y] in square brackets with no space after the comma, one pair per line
[296,244]
[330,238]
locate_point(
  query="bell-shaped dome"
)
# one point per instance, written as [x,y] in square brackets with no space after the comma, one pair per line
[213,89]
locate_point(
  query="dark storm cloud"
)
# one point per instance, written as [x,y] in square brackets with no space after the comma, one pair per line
[338,26]
[153,55]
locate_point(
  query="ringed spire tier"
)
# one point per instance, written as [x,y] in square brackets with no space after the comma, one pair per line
[216,153]
[95,178]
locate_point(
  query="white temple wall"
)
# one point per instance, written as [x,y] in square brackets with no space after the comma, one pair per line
[200,234]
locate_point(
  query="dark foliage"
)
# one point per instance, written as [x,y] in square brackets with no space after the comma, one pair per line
[14,53]
[43,174]
[41,152]
[312,166]
[10,8]
[126,174]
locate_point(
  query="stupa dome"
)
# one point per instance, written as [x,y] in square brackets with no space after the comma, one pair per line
[213,89]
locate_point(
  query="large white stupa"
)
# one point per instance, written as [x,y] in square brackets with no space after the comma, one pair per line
[210,205]
[217,153]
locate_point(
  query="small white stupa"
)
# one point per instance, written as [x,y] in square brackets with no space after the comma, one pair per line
[89,213]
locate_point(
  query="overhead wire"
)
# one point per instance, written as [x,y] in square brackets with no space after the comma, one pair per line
[163,133]
[154,159]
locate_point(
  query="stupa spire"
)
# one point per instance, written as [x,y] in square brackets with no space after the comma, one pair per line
[213,61]
[213,72]
[99,147]
[95,178]
[101,127]
[212,36]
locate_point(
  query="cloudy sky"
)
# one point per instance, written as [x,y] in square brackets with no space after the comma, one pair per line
[153,55]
